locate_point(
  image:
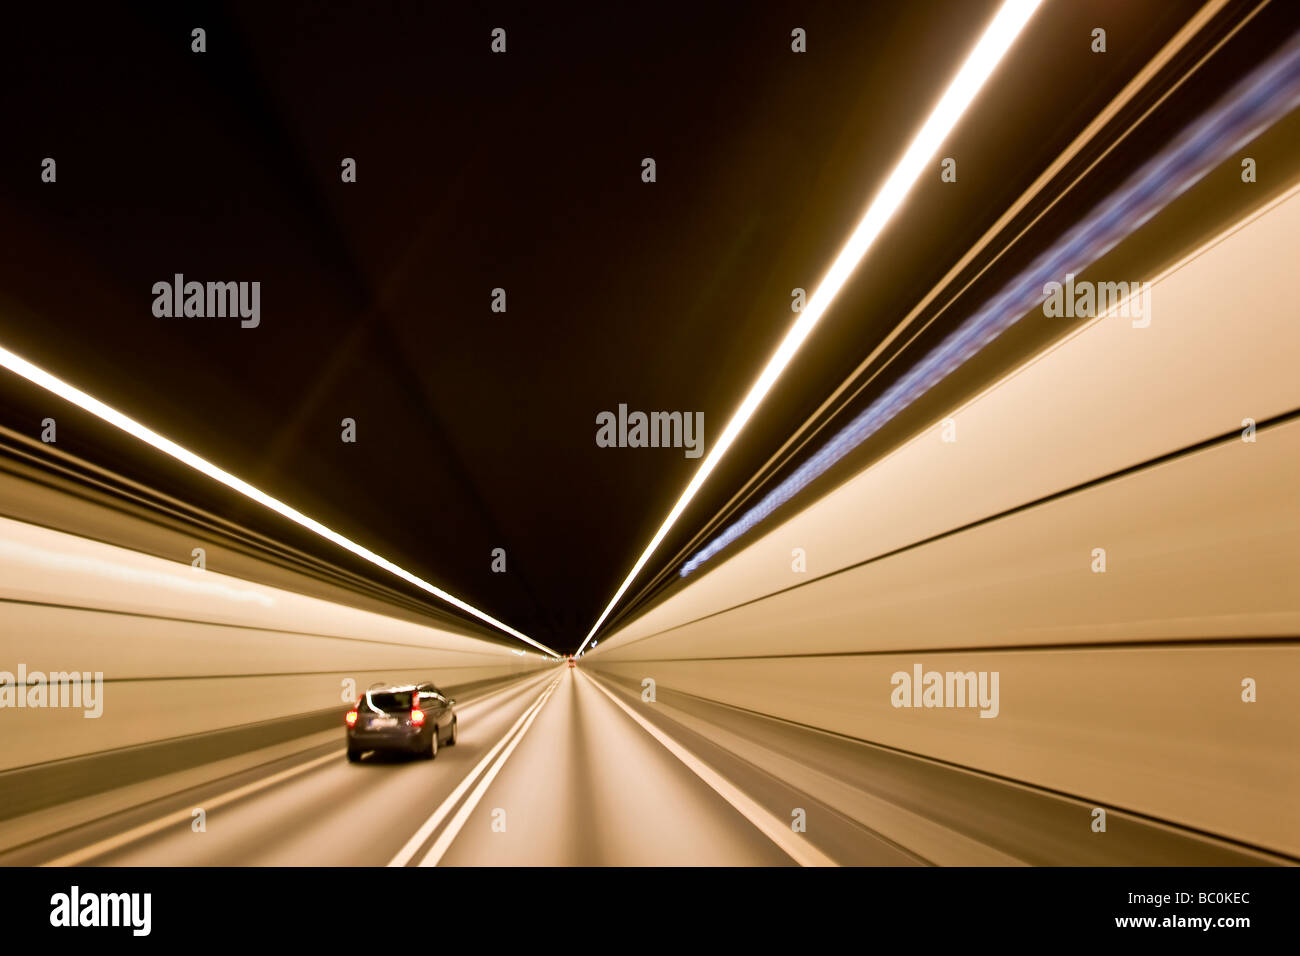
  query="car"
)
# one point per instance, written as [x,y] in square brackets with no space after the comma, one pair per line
[572,662]
[409,718]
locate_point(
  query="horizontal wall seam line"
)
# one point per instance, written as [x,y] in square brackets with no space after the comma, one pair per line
[1200,446]
[258,627]
[1180,643]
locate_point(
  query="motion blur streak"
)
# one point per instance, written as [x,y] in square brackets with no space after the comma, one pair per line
[511,741]
[190,652]
[45,560]
[1107,547]
[421,836]
[185,816]
[262,801]
[1269,93]
[776,830]
[1113,538]
[989,51]
[38,376]
[858,380]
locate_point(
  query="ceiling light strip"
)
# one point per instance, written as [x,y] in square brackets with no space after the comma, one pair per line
[1269,93]
[975,71]
[38,376]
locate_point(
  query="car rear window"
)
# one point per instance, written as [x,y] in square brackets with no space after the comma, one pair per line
[391,700]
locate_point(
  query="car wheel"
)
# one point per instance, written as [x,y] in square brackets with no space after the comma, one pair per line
[451,741]
[431,751]
[353,755]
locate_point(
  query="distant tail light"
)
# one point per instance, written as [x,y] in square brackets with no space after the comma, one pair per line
[417,717]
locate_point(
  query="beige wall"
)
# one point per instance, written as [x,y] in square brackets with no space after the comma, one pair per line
[1122,688]
[184,651]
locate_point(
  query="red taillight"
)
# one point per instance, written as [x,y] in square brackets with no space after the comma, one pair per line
[417,717]
[351,718]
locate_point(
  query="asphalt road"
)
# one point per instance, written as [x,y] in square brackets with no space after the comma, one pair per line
[548,771]
[568,768]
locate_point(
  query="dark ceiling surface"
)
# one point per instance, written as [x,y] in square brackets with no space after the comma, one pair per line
[521,171]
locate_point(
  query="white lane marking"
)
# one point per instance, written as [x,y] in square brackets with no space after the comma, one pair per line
[118,840]
[453,829]
[108,844]
[772,826]
[408,851]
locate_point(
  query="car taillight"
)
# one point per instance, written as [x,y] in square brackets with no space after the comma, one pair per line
[350,718]
[417,717]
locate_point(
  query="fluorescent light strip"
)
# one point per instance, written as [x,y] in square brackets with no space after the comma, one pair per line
[38,376]
[1269,93]
[979,65]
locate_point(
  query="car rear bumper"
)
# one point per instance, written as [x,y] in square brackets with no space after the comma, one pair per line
[398,739]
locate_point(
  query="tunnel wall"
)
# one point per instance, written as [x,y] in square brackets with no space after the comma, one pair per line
[1123,688]
[184,651]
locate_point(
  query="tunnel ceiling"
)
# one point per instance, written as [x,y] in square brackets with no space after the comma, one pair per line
[475,171]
